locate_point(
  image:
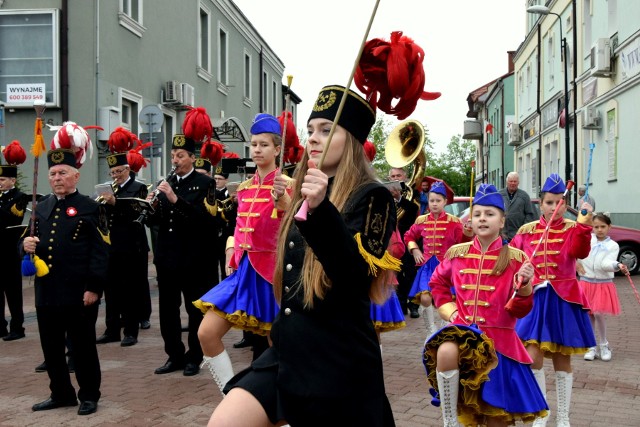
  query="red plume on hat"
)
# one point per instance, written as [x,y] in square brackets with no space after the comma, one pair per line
[14,154]
[135,159]
[212,151]
[230,155]
[293,154]
[292,139]
[197,125]
[122,140]
[390,70]
[370,150]
[74,137]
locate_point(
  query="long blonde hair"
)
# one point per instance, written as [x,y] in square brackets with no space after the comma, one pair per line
[353,172]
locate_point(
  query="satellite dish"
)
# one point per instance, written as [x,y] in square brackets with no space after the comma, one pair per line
[151,118]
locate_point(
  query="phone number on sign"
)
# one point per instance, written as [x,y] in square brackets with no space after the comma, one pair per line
[25,97]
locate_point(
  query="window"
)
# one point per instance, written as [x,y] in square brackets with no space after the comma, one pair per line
[129,109]
[130,16]
[551,60]
[247,77]
[223,56]
[29,57]
[204,38]
[274,99]
[264,91]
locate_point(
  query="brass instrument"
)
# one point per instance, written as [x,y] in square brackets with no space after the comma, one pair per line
[100,199]
[405,146]
[153,202]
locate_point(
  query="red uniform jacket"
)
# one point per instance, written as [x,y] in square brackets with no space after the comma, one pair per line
[437,234]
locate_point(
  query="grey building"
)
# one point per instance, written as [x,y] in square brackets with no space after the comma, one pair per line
[102,62]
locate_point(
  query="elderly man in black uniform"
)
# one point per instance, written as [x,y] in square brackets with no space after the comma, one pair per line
[71,237]
[13,203]
[182,257]
[127,278]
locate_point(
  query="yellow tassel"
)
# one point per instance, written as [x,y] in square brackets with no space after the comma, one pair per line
[212,209]
[16,211]
[274,213]
[387,262]
[41,267]
[105,237]
[38,146]
[458,250]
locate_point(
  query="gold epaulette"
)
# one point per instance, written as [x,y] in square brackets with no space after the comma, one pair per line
[517,254]
[245,184]
[452,218]
[528,227]
[458,250]
[421,219]
[387,262]
[568,223]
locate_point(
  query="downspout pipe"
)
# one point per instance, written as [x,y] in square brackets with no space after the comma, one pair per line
[539,154]
[575,100]
[64,60]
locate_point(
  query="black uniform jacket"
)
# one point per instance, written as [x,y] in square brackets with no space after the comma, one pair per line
[332,350]
[73,243]
[182,225]
[127,236]
[13,204]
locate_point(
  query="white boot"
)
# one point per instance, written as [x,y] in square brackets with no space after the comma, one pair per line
[220,368]
[605,352]
[429,322]
[542,383]
[591,354]
[448,383]
[564,383]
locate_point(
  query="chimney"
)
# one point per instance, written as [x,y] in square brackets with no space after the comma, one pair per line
[511,54]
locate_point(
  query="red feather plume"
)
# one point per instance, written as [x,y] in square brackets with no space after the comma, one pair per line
[230,155]
[135,159]
[390,70]
[370,150]
[122,140]
[14,154]
[292,139]
[293,154]
[197,125]
[212,151]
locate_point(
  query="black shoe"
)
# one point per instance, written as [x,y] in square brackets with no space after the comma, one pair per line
[243,343]
[104,338]
[170,366]
[42,367]
[145,324]
[87,407]
[191,369]
[13,336]
[53,404]
[413,312]
[128,341]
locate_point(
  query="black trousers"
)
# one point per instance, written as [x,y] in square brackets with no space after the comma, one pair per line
[173,285]
[405,280]
[78,324]
[127,290]
[11,287]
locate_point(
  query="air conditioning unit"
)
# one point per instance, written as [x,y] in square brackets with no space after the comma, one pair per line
[173,92]
[188,97]
[601,58]
[472,129]
[590,118]
[515,138]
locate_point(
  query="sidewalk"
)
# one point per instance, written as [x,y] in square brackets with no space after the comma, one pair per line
[604,394]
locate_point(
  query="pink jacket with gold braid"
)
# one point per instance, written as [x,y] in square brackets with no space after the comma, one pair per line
[555,259]
[437,234]
[256,232]
[480,296]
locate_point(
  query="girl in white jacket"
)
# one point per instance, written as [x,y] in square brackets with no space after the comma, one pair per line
[596,280]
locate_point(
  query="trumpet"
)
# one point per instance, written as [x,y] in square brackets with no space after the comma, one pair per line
[100,199]
[153,202]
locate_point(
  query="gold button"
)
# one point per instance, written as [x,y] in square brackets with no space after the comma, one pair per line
[55,224]
[53,231]
[289,267]
[57,209]
[287,311]
[286,289]
[56,217]
[51,240]
[291,245]
[50,248]
[50,257]
[50,265]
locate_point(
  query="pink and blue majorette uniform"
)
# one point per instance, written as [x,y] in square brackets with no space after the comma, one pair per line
[559,321]
[438,235]
[388,316]
[494,367]
[245,298]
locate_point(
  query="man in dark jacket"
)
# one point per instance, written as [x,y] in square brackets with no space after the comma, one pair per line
[71,238]
[518,205]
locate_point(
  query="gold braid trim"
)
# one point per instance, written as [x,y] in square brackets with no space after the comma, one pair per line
[16,211]
[387,262]
[105,236]
[212,209]
[458,250]
[452,218]
[446,310]
[528,227]
[421,219]
[517,254]
[245,184]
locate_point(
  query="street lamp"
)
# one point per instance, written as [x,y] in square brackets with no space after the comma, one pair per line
[543,10]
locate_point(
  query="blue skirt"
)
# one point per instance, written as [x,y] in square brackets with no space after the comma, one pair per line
[244,298]
[389,316]
[421,282]
[555,325]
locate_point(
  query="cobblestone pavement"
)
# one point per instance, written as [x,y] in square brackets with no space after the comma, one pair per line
[604,393]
